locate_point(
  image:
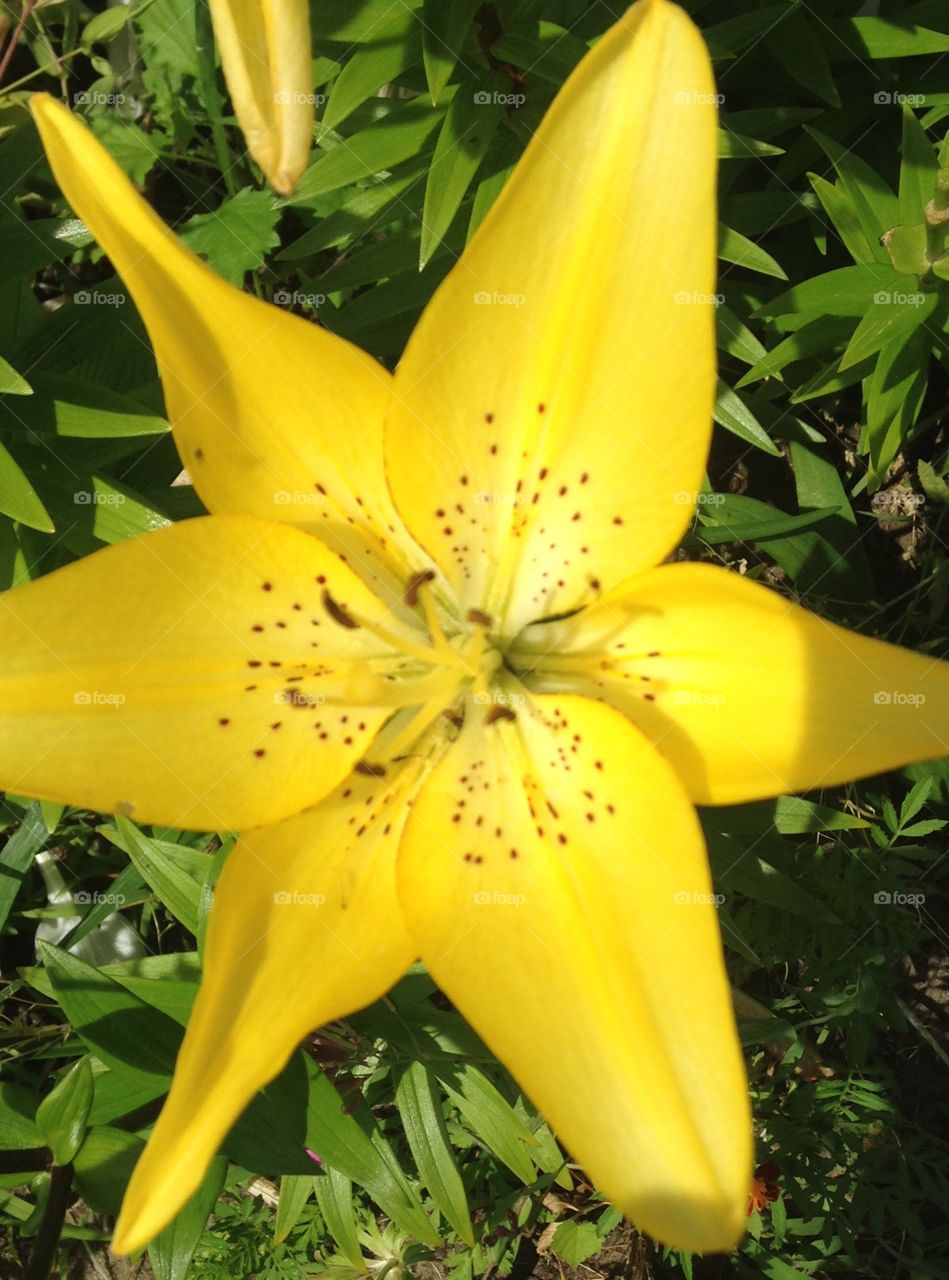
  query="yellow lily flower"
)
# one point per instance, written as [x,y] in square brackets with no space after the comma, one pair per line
[265,57]
[420,655]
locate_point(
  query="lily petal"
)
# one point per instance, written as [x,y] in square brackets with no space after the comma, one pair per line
[273,416]
[554,876]
[305,928]
[193,676]
[746,694]
[554,403]
[265,56]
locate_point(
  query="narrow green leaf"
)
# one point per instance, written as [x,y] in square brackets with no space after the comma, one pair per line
[891,318]
[732,413]
[420,1106]
[170,1253]
[17,855]
[11,382]
[738,249]
[445,24]
[63,1113]
[167,869]
[492,1119]
[18,1128]
[18,499]
[464,137]
[334,1195]
[394,50]
[918,168]
[295,1190]
[104,1165]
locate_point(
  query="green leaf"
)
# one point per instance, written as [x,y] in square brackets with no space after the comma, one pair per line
[170,1253]
[401,134]
[847,291]
[735,146]
[794,815]
[918,168]
[732,413]
[894,393]
[393,51]
[295,1190]
[367,208]
[64,405]
[175,874]
[880,38]
[18,1128]
[334,1195]
[573,1242]
[63,1113]
[420,1106]
[103,1167]
[552,55]
[237,236]
[105,26]
[802,53]
[736,338]
[817,337]
[16,857]
[739,519]
[874,202]
[445,23]
[18,499]
[11,382]
[121,1029]
[738,249]
[891,318]
[134,151]
[464,137]
[492,1119]
[839,207]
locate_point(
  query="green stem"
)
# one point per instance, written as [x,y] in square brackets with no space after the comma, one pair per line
[937,218]
[207,74]
[47,1239]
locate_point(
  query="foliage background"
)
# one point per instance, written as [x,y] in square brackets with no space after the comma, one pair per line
[827,480]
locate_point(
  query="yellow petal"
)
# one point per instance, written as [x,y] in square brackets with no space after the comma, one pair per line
[305,928]
[746,694]
[554,403]
[265,56]
[554,876]
[273,416]
[192,676]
